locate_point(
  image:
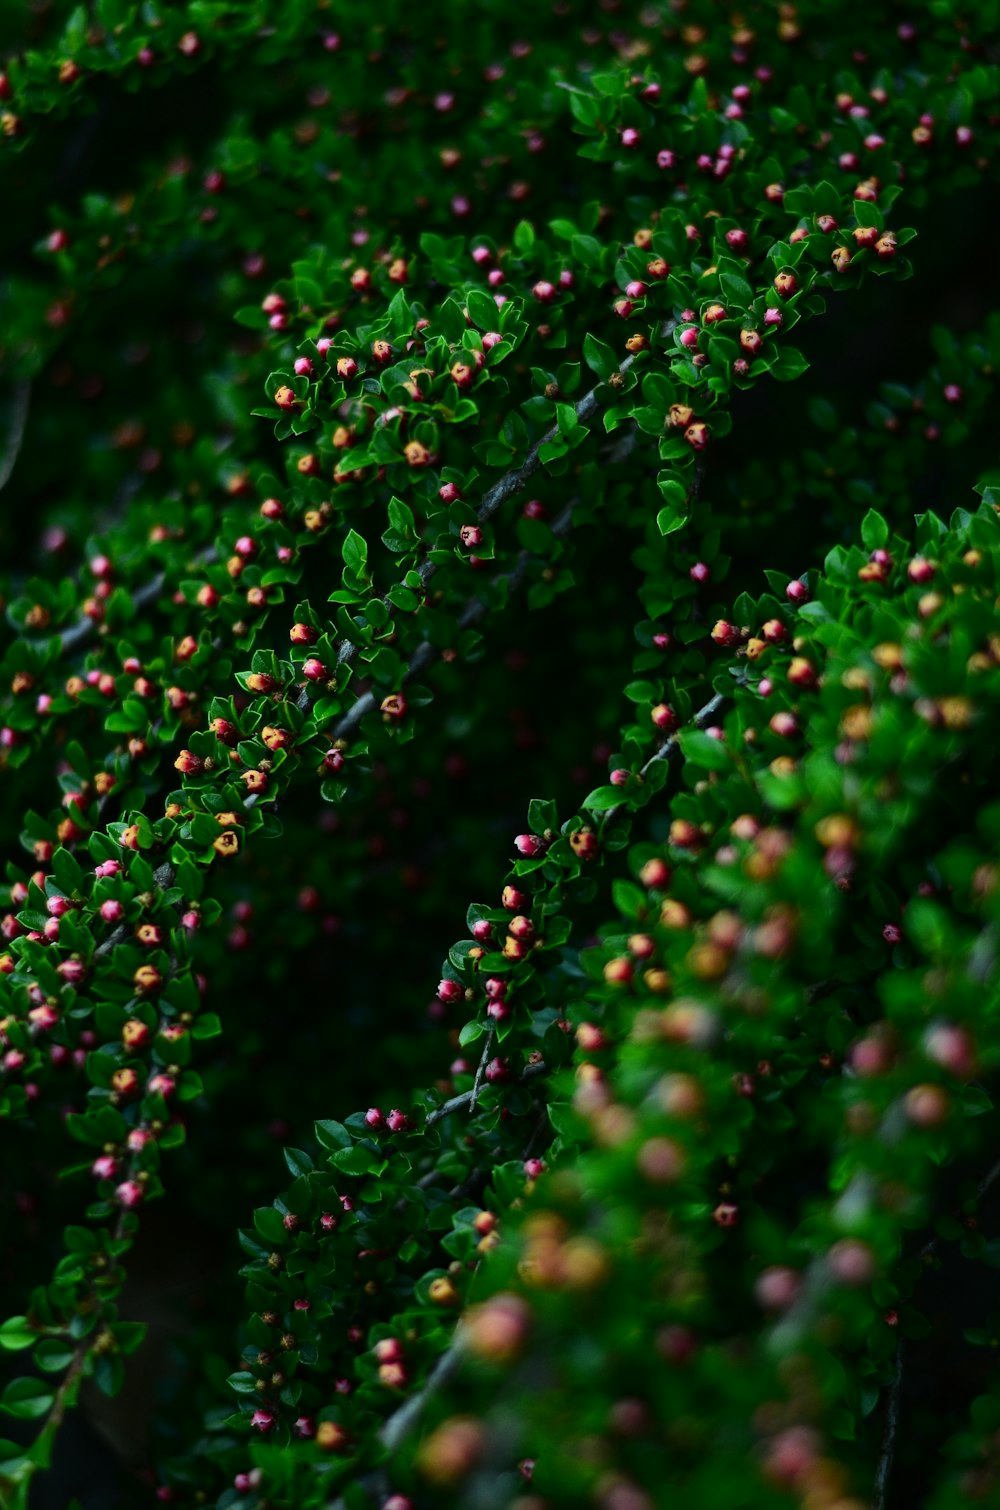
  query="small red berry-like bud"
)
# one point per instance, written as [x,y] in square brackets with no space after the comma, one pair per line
[700,572]
[696,436]
[449,493]
[303,634]
[284,397]
[619,971]
[189,764]
[382,352]
[784,724]
[129,1194]
[544,291]
[777,1288]
[630,137]
[952,393]
[851,1262]
[450,991]
[751,341]
[470,535]
[333,760]
[801,673]
[655,872]
[713,314]
[950,1047]
[774,632]
[393,706]
[314,669]
[262,1421]
[135,1034]
[885,247]
[397,1121]
[685,835]
[797,592]
[620,776]
[491,338]
[840,257]
[303,366]
[920,570]
[497,1071]
[725,634]
[865,236]
[623,308]
[785,285]
[529,844]
[664,717]
[892,933]
[726,1214]
[374,1117]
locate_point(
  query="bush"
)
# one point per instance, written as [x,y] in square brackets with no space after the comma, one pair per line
[389,432]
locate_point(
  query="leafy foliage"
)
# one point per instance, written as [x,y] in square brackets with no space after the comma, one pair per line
[644,1205]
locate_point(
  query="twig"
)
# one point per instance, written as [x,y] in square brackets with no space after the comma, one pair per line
[425,653]
[15,431]
[668,747]
[480,1072]
[888,1450]
[163,877]
[80,632]
[512,481]
[400,1421]
[468,1098]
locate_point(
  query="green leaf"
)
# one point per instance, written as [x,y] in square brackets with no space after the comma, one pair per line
[26,1399]
[674,517]
[16,1334]
[332,1135]
[355,553]
[524,238]
[298,1162]
[53,1354]
[482,310]
[542,814]
[704,750]
[788,364]
[206,1025]
[602,798]
[599,358]
[874,531]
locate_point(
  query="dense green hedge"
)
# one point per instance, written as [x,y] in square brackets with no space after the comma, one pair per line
[399,418]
